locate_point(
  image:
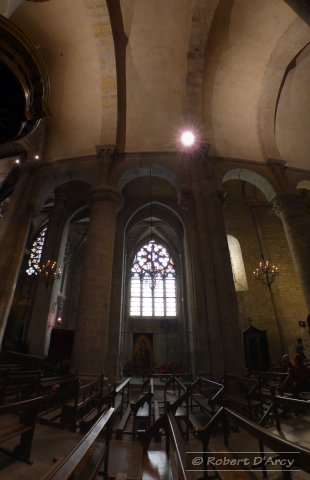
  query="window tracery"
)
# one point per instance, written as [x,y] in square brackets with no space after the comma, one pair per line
[36,253]
[153,282]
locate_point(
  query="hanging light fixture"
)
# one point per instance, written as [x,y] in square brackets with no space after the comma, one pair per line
[266,273]
[148,256]
[49,271]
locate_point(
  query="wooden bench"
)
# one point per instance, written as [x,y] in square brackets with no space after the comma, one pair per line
[141,410]
[122,424]
[276,444]
[180,407]
[103,402]
[20,385]
[26,361]
[84,462]
[209,395]
[122,389]
[243,394]
[174,393]
[174,440]
[286,405]
[270,382]
[23,427]
[86,398]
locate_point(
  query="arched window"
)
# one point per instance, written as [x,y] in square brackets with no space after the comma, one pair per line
[237,265]
[153,282]
[36,252]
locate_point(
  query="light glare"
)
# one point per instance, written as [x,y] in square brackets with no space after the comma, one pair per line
[188,138]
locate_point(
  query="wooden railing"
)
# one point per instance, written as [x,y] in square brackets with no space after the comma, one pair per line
[174,439]
[22,426]
[285,404]
[89,456]
[299,454]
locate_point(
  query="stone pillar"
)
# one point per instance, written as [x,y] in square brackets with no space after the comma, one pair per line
[224,335]
[14,230]
[296,224]
[228,315]
[92,331]
[43,312]
[200,341]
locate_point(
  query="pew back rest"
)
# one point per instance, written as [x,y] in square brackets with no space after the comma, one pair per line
[246,387]
[70,466]
[20,385]
[273,442]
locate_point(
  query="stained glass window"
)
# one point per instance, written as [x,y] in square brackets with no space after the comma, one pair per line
[36,253]
[153,282]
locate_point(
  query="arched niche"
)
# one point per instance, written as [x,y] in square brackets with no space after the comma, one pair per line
[147,170]
[252,177]
[154,217]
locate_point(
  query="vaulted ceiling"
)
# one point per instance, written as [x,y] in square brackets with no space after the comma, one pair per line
[134,72]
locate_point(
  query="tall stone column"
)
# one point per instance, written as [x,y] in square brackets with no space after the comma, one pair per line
[43,311]
[228,315]
[201,340]
[14,230]
[296,224]
[92,331]
[224,335]
[219,338]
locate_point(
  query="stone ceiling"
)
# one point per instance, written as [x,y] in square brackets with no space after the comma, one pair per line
[136,71]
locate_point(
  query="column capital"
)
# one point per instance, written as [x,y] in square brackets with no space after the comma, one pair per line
[285,203]
[105,152]
[105,155]
[106,194]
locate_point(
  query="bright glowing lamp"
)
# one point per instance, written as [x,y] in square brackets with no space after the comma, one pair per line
[188,138]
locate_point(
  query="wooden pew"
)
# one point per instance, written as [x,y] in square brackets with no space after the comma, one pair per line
[180,407]
[174,440]
[26,361]
[85,460]
[270,380]
[86,398]
[285,404]
[139,409]
[243,394]
[273,442]
[172,394]
[210,394]
[57,390]
[102,403]
[20,385]
[23,427]
[121,389]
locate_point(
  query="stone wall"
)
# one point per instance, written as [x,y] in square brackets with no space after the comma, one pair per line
[255,305]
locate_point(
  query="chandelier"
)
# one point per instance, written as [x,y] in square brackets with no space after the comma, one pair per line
[266,273]
[149,259]
[49,272]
